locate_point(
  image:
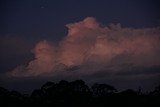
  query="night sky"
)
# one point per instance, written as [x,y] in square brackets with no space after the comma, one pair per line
[111,41]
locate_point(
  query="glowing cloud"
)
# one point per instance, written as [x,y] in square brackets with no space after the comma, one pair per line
[93,48]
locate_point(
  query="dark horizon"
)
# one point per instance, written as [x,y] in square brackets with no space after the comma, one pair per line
[77,93]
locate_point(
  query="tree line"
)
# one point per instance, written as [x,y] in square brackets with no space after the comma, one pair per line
[78,94]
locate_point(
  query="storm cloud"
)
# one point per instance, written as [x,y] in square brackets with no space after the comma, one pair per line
[91,48]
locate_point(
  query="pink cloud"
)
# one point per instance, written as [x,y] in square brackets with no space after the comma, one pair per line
[94,48]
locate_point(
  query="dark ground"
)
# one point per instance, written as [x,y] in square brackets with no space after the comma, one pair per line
[78,94]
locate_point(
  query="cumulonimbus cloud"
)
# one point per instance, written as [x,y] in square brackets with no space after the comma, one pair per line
[90,47]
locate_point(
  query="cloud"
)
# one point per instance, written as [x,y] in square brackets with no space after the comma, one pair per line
[14,49]
[14,44]
[90,48]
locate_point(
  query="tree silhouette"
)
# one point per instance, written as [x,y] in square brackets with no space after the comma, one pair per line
[48,85]
[103,89]
[78,94]
[3,92]
[156,91]
[79,86]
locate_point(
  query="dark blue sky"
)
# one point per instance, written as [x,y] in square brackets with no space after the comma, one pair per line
[25,22]
[38,19]
[35,20]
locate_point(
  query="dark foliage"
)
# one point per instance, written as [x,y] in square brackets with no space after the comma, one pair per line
[78,94]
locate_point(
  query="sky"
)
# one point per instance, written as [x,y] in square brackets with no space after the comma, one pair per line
[110,41]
